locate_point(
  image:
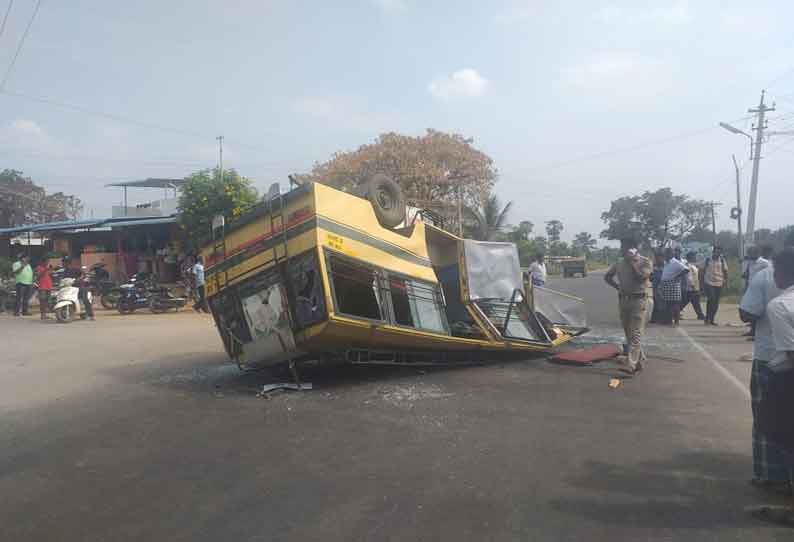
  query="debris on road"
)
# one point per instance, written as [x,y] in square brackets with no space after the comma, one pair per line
[615,383]
[588,356]
[291,386]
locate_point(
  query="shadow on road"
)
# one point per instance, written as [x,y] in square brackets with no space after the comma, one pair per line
[692,490]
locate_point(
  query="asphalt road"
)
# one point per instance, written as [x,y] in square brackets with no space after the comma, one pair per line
[136,428]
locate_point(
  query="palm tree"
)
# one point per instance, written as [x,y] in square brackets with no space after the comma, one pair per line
[491,219]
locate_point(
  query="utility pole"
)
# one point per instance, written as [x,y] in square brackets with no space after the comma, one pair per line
[220,162]
[759,128]
[714,219]
[737,211]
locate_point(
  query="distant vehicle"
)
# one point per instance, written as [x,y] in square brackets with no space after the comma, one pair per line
[573,266]
[321,274]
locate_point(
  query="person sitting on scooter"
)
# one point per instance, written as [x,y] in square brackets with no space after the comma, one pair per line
[85,300]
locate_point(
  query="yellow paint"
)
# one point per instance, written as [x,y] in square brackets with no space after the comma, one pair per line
[341,332]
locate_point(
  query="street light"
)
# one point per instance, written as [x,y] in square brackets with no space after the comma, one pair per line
[735,130]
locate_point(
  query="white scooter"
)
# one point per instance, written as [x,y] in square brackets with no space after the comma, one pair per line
[68,301]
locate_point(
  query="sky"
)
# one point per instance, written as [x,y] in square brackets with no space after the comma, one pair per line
[577,102]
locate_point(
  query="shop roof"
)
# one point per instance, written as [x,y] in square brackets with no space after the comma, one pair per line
[117,223]
[85,224]
[151,183]
[52,226]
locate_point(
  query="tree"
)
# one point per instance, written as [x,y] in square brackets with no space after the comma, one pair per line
[436,170]
[655,217]
[491,219]
[553,230]
[206,194]
[22,201]
[583,243]
[521,232]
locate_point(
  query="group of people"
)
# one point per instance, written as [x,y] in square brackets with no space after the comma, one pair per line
[677,282]
[767,304]
[26,277]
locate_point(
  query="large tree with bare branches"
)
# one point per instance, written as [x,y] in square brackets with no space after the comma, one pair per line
[435,170]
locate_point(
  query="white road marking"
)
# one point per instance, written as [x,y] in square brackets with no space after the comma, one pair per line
[717,365]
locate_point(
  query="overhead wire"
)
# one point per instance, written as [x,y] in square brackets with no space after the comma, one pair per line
[5,18]
[21,44]
[631,148]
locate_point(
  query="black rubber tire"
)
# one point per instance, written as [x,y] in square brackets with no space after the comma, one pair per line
[387,200]
[63,315]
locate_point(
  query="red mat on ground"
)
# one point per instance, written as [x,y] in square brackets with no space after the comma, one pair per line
[589,356]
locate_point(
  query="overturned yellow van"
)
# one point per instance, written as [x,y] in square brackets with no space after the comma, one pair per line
[315,274]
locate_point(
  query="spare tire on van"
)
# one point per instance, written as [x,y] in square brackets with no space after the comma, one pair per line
[387,200]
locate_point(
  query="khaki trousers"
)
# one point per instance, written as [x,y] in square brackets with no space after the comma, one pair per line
[634,314]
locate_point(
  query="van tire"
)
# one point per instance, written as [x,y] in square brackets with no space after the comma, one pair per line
[387,200]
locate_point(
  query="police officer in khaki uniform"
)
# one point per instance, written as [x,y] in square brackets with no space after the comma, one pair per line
[635,299]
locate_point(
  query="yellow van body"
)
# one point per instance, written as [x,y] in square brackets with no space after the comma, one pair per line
[312,274]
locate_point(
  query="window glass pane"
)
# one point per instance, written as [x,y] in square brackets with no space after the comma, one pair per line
[425,308]
[355,289]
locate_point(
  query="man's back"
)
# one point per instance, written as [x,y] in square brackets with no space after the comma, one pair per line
[760,292]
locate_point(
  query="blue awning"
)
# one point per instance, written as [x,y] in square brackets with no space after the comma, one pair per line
[125,222]
[52,226]
[67,225]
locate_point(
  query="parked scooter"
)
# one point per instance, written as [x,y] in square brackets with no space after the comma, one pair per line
[68,301]
[162,299]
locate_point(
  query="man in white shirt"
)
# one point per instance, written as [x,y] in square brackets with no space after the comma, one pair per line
[198,275]
[777,408]
[537,271]
[770,469]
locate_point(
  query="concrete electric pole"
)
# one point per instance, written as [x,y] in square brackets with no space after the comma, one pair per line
[759,128]
[220,161]
[737,211]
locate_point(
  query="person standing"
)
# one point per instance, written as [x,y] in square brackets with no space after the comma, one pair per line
[672,272]
[634,299]
[201,292]
[661,312]
[715,276]
[769,464]
[23,274]
[44,280]
[537,270]
[83,294]
[693,286]
[777,406]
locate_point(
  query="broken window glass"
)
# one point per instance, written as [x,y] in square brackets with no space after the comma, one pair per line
[417,304]
[355,288]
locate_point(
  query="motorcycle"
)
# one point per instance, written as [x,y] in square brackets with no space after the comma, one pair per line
[133,295]
[68,301]
[162,299]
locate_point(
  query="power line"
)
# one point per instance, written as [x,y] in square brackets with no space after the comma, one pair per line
[5,19]
[126,120]
[632,148]
[21,43]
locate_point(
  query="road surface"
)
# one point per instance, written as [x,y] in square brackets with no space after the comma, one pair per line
[136,428]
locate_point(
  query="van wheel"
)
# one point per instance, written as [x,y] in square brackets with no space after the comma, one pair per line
[387,200]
